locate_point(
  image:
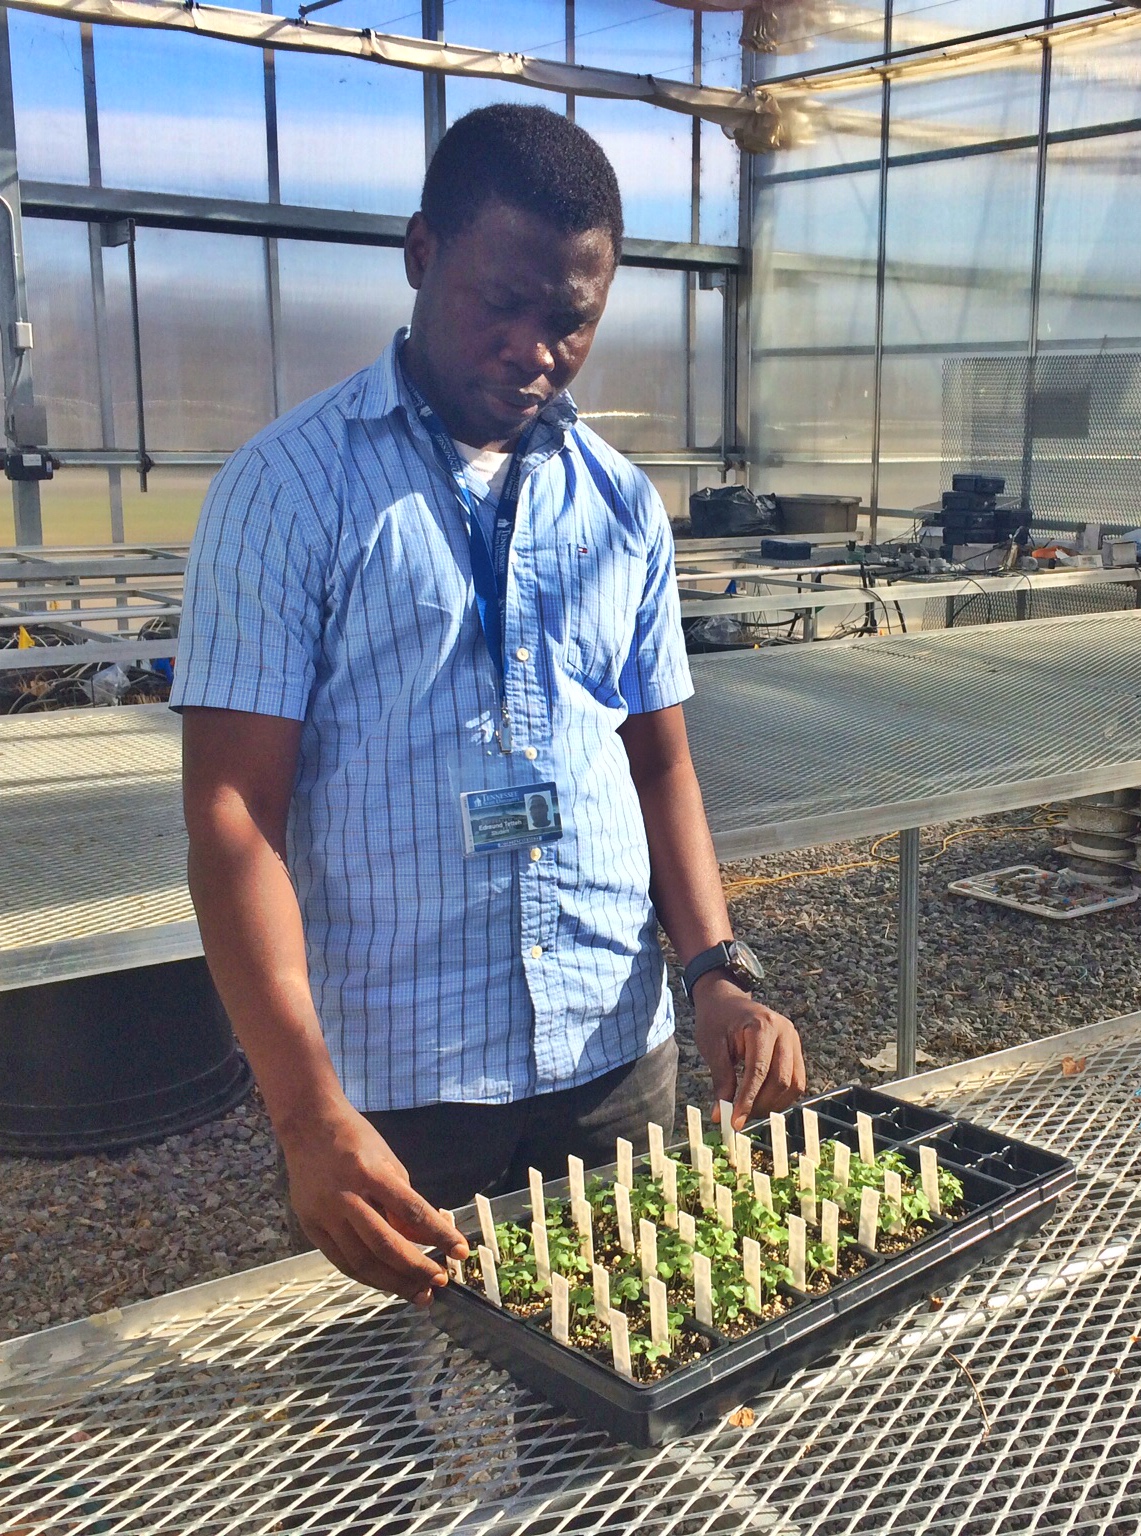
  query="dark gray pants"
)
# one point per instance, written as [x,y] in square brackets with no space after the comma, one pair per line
[454,1151]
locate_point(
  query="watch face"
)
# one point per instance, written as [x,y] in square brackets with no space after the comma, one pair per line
[743,960]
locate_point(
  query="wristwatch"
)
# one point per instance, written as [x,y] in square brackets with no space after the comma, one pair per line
[737,960]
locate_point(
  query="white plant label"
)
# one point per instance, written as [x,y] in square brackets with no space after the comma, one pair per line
[830,1231]
[542,1254]
[454,1267]
[842,1162]
[744,1160]
[797,1248]
[686,1228]
[580,1215]
[657,1148]
[806,1172]
[669,1189]
[929,1174]
[867,1138]
[727,1132]
[693,1126]
[810,1125]
[763,1189]
[659,1322]
[538,1203]
[620,1343]
[893,1195]
[808,1207]
[751,1261]
[725,1206]
[708,1189]
[487,1225]
[600,1277]
[648,1247]
[490,1278]
[780,1145]
[869,1215]
[625,1151]
[625,1222]
[560,1309]
[702,1290]
[576,1178]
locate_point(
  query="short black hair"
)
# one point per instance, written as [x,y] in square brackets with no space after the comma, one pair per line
[529,157]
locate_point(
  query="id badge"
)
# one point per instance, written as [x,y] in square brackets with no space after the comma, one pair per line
[506,801]
[517,816]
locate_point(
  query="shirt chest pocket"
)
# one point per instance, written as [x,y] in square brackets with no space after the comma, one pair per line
[603,592]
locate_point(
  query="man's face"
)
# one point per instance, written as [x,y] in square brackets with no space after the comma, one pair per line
[505,315]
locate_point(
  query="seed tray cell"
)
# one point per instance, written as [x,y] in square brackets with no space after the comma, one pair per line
[1009,1191]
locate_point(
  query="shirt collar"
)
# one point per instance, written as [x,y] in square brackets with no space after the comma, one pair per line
[382,390]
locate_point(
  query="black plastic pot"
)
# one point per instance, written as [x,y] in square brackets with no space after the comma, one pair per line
[99,1062]
[1009,1187]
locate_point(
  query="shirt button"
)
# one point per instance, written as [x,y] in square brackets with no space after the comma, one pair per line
[522,654]
[536,855]
[530,753]
[536,951]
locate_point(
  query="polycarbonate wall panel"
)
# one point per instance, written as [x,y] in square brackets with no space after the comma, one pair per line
[180,114]
[817,36]
[814,263]
[813,425]
[652,155]
[58,267]
[960,243]
[920,23]
[1091,249]
[204,320]
[709,311]
[340,305]
[632,388]
[535,27]
[635,36]
[962,110]
[1095,82]
[350,134]
[47,96]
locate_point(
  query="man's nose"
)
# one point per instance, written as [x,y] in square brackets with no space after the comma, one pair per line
[528,350]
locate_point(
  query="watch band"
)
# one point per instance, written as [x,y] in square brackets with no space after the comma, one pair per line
[717,958]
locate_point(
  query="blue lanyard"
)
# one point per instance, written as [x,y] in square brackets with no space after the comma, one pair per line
[489,565]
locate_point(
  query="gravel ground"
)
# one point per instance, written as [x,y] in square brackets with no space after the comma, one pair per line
[89,1233]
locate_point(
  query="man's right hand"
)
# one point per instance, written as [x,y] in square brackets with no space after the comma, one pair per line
[354,1199]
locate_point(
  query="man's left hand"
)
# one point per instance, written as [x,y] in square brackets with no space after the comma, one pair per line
[733,1031]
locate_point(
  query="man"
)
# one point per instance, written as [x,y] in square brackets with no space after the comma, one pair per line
[417,604]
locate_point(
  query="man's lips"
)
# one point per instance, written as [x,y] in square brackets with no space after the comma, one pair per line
[520,400]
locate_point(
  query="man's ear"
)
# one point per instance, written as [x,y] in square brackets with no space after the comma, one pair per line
[420,245]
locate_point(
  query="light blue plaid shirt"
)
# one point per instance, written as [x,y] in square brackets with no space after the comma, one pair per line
[330,582]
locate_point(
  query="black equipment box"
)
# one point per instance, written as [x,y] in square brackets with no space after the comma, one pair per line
[979,485]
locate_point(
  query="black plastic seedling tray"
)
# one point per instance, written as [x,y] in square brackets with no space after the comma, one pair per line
[1010,1189]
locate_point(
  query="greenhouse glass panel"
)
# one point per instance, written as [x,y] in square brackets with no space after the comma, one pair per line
[350,134]
[1091,270]
[632,389]
[963,110]
[204,319]
[720,212]
[814,263]
[463,96]
[812,425]
[921,23]
[180,114]
[167,512]
[960,242]
[47,97]
[65,369]
[340,305]
[1095,82]
[535,27]
[651,150]
[635,36]
[75,507]
[708,385]
[822,37]
[833,128]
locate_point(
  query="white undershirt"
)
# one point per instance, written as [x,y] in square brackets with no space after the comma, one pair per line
[489,465]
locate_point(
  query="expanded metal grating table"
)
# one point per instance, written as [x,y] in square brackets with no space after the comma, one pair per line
[290,1399]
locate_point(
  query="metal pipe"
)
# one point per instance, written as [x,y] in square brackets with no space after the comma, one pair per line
[906,1011]
[137,340]
[1036,270]
[881,281]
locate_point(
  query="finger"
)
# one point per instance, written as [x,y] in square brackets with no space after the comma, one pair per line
[360,1263]
[780,1086]
[415,1270]
[758,1057]
[409,1214]
[723,1073]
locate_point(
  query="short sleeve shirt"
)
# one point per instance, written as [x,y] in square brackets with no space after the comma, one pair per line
[330,583]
